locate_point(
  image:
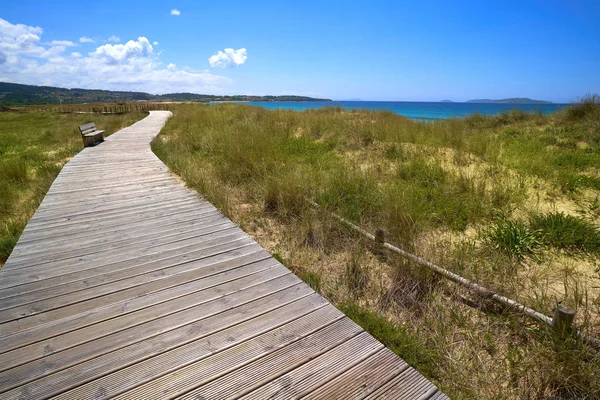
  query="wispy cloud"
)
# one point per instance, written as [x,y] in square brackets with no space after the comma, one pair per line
[228,58]
[114,39]
[67,43]
[155,43]
[134,65]
[175,12]
[85,39]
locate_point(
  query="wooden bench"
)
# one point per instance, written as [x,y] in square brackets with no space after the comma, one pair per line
[90,135]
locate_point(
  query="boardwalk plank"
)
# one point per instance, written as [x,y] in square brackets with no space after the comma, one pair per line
[147,364]
[315,373]
[40,359]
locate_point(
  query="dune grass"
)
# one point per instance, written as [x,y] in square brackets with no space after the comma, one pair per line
[438,189]
[33,149]
[569,232]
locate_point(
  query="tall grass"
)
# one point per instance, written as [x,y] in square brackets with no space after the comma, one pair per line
[432,187]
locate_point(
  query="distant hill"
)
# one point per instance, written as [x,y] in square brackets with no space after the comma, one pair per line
[14,93]
[514,100]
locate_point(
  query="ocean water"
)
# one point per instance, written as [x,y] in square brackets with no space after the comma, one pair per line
[417,110]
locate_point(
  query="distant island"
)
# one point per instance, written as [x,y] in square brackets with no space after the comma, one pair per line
[514,100]
[17,94]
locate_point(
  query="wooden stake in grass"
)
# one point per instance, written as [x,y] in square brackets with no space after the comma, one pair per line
[562,323]
[380,241]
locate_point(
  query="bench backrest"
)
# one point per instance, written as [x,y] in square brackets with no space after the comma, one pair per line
[87,128]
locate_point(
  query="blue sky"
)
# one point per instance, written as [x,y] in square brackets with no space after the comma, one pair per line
[373,50]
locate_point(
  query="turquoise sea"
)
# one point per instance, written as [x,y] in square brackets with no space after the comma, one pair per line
[417,110]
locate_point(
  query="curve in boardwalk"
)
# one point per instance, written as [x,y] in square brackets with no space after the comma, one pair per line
[126,284]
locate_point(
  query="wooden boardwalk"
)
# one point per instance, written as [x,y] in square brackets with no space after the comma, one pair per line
[126,284]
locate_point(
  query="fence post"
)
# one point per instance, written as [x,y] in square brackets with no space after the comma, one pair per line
[379,242]
[562,323]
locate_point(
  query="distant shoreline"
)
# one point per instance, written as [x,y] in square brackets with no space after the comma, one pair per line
[18,94]
[417,110]
[513,100]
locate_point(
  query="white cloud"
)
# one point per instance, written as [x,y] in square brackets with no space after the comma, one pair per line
[155,43]
[118,53]
[114,39]
[66,43]
[130,66]
[19,38]
[175,12]
[85,39]
[228,58]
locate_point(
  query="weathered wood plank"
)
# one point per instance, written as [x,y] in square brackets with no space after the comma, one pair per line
[43,358]
[315,373]
[54,268]
[89,277]
[134,286]
[146,363]
[62,245]
[363,379]
[98,243]
[278,357]
[32,316]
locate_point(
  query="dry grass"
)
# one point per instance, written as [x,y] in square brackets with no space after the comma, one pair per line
[436,188]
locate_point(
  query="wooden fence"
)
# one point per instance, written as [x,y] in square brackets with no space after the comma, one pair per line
[561,322]
[94,108]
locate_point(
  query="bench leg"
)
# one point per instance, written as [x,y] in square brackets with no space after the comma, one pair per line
[88,141]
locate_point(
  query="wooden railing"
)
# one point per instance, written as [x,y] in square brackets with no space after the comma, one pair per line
[561,322]
[96,108]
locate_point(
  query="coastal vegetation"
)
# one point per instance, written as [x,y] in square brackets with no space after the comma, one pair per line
[33,149]
[509,201]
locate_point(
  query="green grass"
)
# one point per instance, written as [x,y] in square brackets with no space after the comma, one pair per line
[282,156]
[33,149]
[513,237]
[567,232]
